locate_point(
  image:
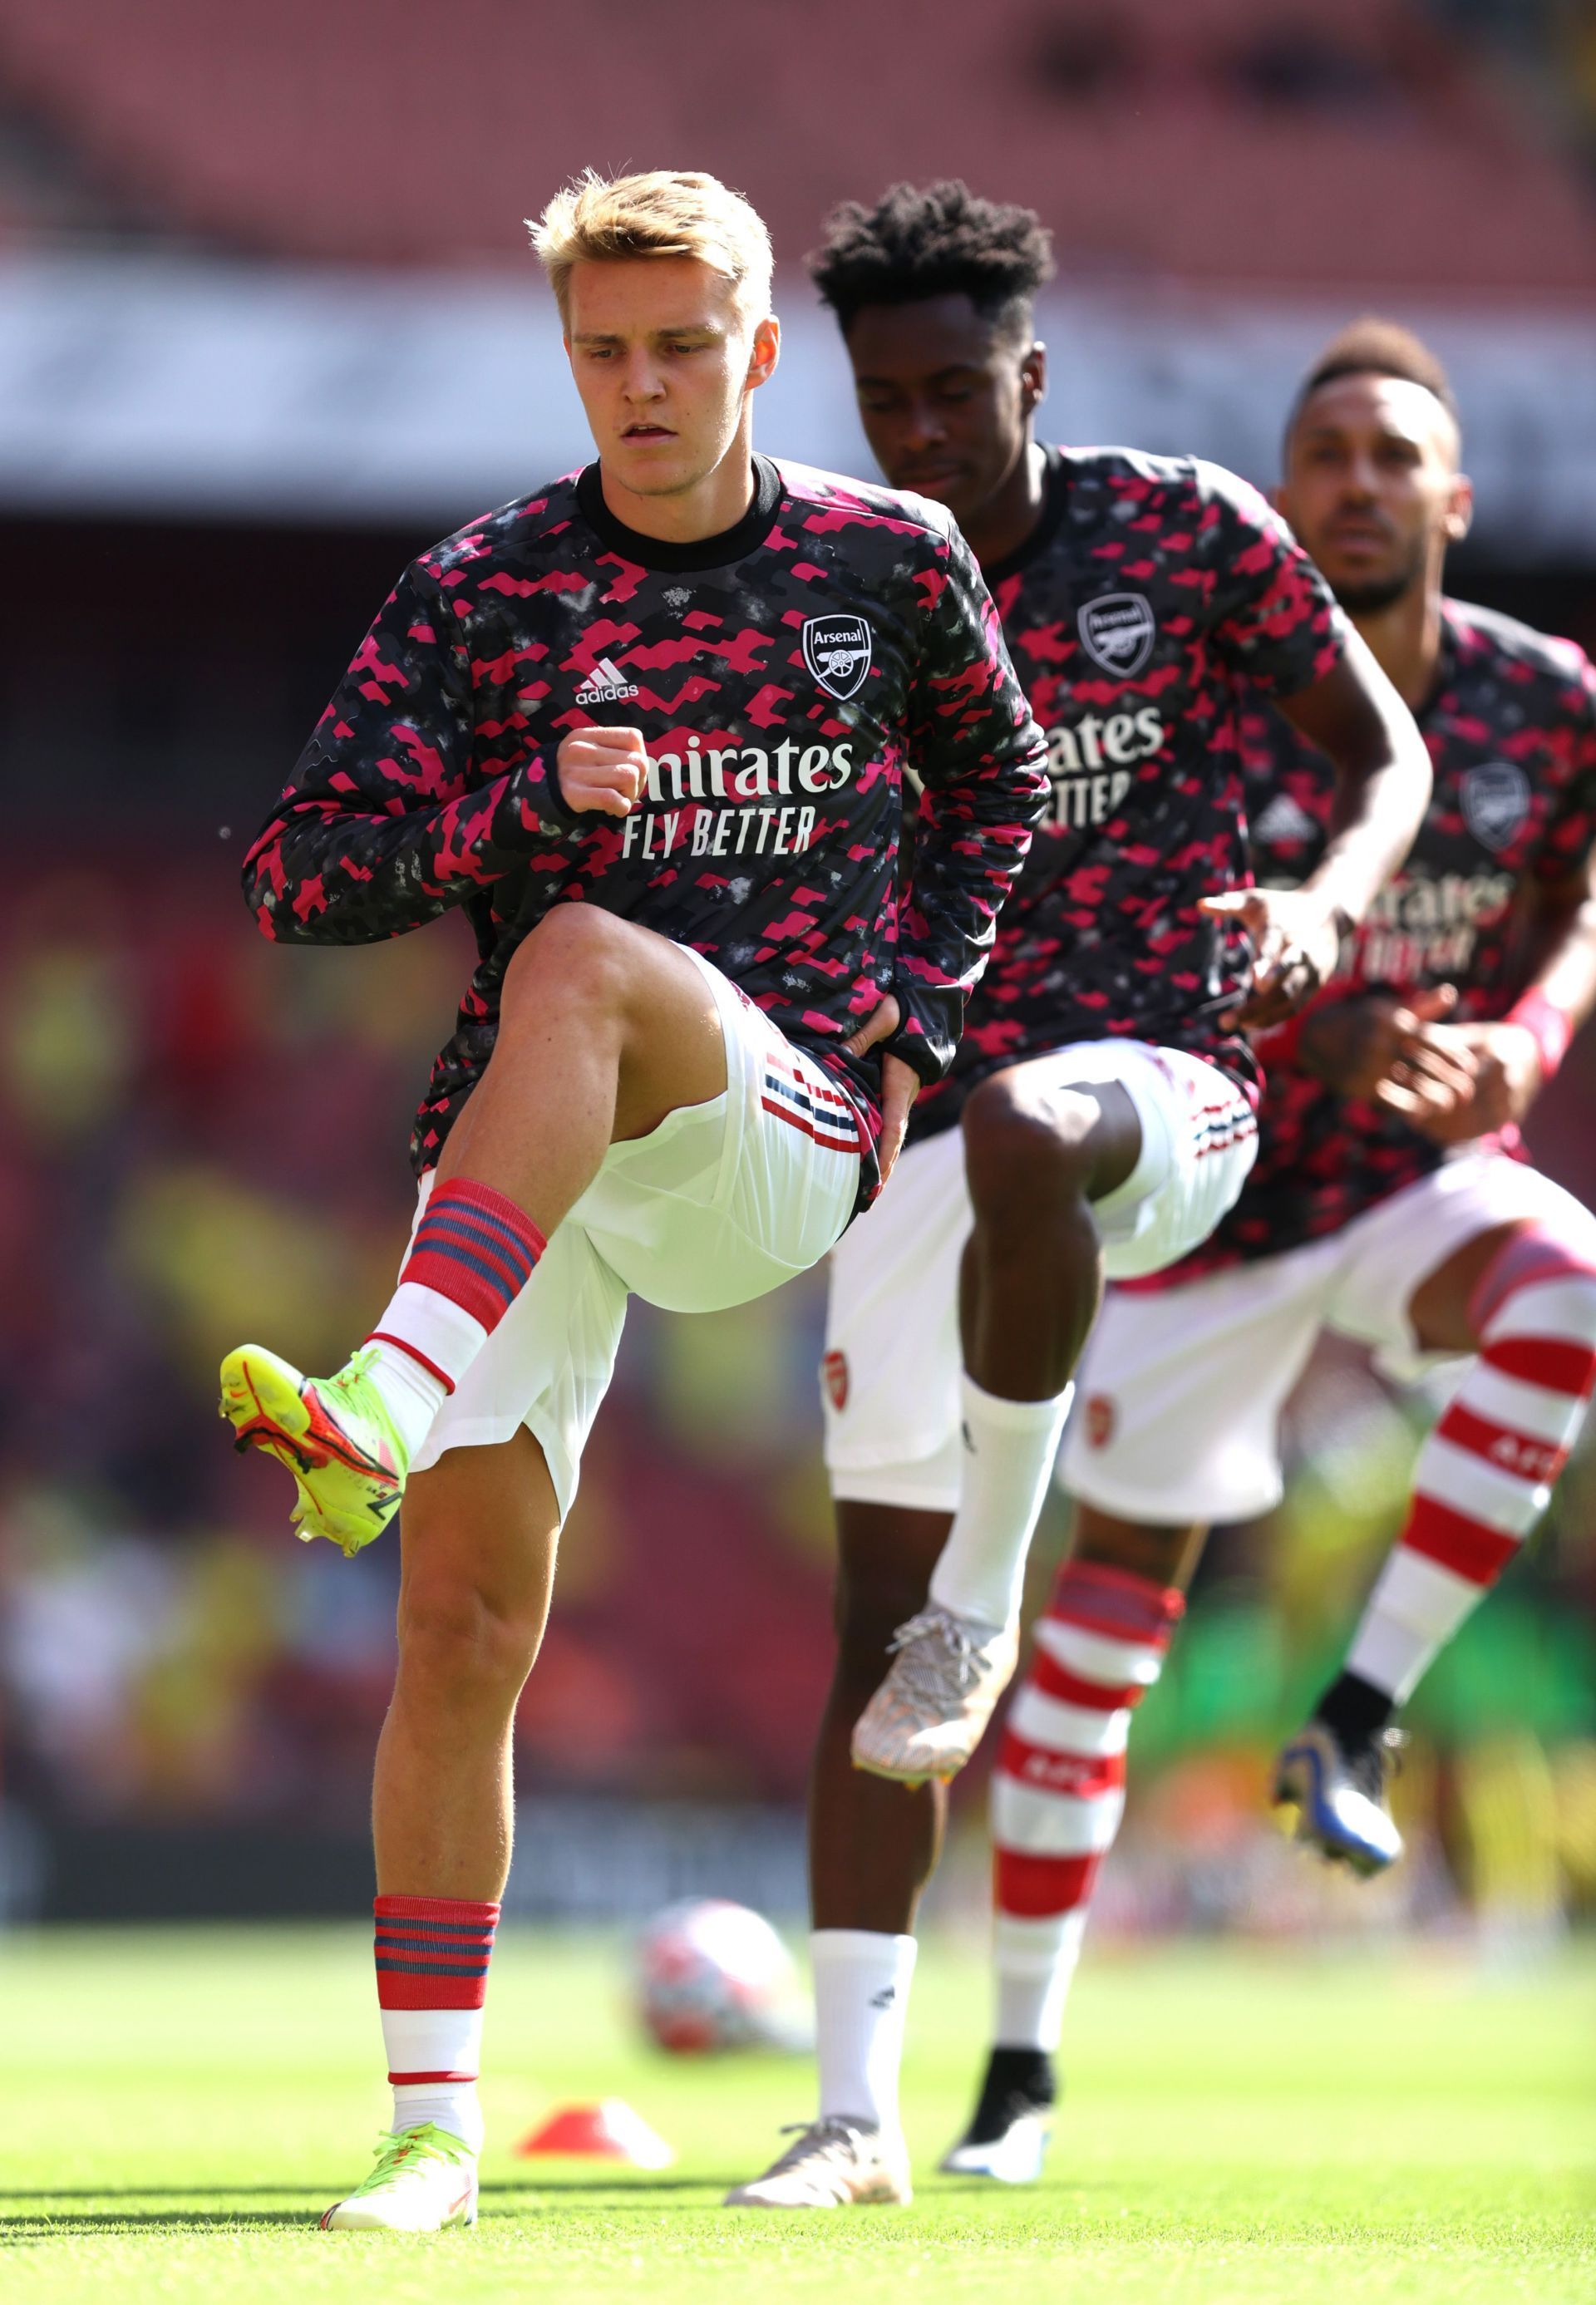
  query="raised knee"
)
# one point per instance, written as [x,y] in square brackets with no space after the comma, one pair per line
[578,949]
[1021,1148]
[460,1646]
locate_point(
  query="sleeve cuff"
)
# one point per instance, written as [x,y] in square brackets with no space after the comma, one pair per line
[540,781]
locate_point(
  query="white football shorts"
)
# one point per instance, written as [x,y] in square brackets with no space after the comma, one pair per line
[1178,1399]
[722,1203]
[890,1376]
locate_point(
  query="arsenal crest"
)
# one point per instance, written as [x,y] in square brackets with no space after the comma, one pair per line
[1496,801]
[1118,632]
[1099,1420]
[834,1369]
[837,651]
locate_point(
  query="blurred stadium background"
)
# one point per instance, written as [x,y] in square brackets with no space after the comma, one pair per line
[267,326]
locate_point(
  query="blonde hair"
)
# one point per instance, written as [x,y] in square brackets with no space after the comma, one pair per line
[661,212]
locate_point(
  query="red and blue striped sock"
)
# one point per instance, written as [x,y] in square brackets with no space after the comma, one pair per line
[472,1253]
[432,1957]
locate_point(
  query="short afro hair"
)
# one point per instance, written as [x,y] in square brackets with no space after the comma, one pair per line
[938,242]
[1373,346]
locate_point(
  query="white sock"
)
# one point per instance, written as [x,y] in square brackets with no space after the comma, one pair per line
[412,1396]
[452,2104]
[1415,1608]
[861,2000]
[442,2049]
[1034,1962]
[1009,1448]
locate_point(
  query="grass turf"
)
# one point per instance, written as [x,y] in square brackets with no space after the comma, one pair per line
[1240,2126]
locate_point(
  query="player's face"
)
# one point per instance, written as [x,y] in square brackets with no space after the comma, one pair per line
[1372,488]
[664,361]
[944,397]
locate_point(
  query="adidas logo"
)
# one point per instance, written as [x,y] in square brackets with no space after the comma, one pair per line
[606,684]
[1284,818]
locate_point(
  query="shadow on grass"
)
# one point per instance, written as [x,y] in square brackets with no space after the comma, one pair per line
[147,2193]
[39,2221]
[638,2189]
[16,2231]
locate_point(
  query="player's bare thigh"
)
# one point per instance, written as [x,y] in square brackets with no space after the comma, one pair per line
[585,981]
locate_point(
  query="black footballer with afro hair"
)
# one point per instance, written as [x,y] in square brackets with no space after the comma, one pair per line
[938,241]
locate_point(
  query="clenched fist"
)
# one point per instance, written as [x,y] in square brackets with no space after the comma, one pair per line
[602,768]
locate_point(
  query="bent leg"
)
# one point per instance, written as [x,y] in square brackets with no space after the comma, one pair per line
[1183,1391]
[604,1028]
[1037,1153]
[1522,1299]
[1116,1130]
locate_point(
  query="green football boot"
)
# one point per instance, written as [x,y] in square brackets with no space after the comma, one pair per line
[334,1434]
[424,2180]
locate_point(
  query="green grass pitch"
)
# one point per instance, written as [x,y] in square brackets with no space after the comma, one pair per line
[1241,2125]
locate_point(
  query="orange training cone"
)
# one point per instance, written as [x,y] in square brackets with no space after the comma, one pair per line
[608,2131]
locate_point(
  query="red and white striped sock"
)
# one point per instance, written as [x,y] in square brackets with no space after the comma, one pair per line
[1058,1788]
[473,1253]
[432,1956]
[1485,1474]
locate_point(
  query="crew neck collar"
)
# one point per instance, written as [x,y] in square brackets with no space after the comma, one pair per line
[658,552]
[1055,493]
[1446,662]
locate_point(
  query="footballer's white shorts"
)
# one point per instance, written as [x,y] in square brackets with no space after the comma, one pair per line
[722,1203]
[1180,1390]
[890,1377]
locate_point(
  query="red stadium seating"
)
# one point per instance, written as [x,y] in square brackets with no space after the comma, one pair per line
[1241,140]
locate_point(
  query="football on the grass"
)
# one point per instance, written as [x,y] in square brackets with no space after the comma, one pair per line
[712,1975]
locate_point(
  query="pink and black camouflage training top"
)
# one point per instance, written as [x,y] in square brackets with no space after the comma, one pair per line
[1155,596]
[1511,729]
[784,675]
